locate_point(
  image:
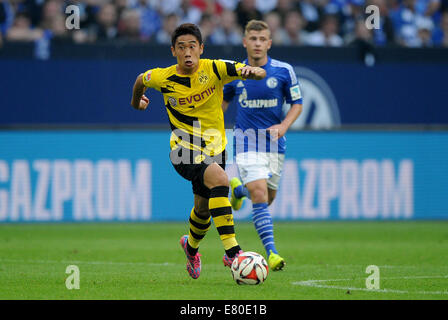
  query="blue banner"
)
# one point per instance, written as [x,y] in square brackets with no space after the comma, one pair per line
[69,176]
[99,92]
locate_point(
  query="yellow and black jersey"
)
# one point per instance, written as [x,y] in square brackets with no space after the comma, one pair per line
[193,103]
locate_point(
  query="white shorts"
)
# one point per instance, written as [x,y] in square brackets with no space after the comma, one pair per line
[254,166]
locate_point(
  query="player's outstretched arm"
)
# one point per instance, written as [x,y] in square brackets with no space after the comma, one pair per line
[139,100]
[254,73]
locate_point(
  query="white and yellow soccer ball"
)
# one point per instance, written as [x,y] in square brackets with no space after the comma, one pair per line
[249,268]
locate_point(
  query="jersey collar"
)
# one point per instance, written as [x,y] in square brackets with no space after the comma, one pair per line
[246,61]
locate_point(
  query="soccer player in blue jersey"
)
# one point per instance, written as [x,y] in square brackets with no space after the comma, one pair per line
[260,132]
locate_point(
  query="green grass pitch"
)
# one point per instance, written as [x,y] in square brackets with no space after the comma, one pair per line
[325,260]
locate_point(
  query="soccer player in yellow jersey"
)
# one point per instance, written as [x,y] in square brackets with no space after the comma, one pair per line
[193,93]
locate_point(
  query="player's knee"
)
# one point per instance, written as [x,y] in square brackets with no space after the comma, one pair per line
[258,195]
[221,179]
[215,176]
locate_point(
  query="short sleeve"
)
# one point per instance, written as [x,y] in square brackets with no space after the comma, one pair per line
[229,92]
[227,70]
[292,89]
[151,79]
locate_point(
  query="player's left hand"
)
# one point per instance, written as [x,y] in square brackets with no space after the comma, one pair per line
[256,73]
[277,131]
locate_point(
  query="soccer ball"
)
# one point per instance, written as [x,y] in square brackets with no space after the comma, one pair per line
[249,268]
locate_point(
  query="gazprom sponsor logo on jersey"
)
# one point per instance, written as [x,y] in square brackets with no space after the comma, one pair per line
[197,97]
[256,103]
[320,108]
[75,190]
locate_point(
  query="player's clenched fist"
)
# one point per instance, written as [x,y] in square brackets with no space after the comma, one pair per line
[139,101]
[255,73]
[144,101]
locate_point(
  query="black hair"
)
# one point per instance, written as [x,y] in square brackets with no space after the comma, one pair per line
[186,28]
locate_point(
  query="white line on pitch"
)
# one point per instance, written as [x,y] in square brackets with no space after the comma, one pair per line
[364,265]
[315,284]
[91,262]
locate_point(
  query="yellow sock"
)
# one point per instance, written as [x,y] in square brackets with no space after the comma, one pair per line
[198,229]
[221,211]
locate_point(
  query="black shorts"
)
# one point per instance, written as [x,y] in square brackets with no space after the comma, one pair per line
[191,165]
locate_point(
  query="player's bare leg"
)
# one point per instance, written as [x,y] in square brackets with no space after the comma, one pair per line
[258,190]
[215,176]
[271,195]
[240,192]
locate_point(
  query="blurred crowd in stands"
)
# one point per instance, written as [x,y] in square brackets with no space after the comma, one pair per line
[409,23]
